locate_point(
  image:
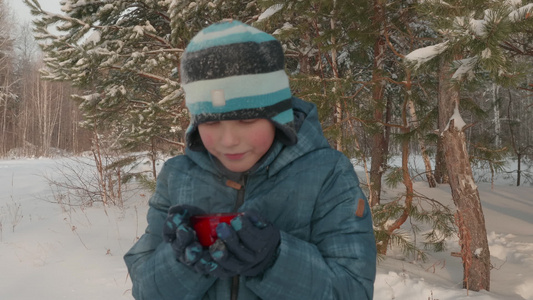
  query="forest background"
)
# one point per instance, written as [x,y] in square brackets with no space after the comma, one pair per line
[449,81]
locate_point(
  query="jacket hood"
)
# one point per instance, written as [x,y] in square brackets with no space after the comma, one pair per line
[310,138]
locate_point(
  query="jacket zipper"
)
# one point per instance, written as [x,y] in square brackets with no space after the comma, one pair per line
[239,201]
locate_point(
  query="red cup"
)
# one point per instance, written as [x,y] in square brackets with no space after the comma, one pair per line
[205,226]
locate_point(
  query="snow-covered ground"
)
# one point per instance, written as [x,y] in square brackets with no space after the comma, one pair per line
[52,251]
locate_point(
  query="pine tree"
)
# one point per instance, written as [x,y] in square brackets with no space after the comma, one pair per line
[472,33]
[330,57]
[125,55]
[322,47]
[333,59]
[117,53]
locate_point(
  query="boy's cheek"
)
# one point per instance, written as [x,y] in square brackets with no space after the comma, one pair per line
[207,138]
[207,141]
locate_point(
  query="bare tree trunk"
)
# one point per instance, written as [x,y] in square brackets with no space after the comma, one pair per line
[409,191]
[517,150]
[59,115]
[24,119]
[97,153]
[427,163]
[153,158]
[471,221]
[337,119]
[432,182]
[469,216]
[4,100]
[496,107]
[445,111]
[518,168]
[379,143]
[6,47]
[441,174]
[74,135]
[3,140]
[48,100]
[55,101]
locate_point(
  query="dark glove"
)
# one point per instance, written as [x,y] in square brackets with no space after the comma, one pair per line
[179,215]
[178,232]
[248,246]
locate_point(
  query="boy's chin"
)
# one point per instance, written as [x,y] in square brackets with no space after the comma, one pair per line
[238,167]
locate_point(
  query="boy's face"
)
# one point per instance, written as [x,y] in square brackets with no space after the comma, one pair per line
[238,144]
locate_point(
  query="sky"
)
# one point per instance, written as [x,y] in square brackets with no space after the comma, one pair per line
[22,12]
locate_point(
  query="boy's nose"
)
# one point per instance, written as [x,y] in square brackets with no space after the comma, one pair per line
[229,136]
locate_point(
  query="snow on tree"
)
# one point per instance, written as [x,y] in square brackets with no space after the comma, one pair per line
[117,52]
[125,56]
[339,55]
[472,34]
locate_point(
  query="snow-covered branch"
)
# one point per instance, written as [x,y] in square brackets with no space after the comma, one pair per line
[423,55]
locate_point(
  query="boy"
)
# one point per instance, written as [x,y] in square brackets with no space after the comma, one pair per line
[305,231]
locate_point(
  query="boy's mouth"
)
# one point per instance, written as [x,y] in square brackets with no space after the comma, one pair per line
[235,156]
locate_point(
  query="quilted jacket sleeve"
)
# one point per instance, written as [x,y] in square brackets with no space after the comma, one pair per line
[152,265]
[339,262]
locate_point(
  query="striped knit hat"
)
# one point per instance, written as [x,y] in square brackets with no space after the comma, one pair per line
[232,71]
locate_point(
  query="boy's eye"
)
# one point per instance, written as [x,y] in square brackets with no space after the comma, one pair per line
[248,121]
[210,123]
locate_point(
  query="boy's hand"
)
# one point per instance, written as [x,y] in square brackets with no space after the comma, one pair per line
[248,246]
[178,215]
[178,232]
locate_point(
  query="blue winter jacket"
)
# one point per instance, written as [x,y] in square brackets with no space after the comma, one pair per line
[309,191]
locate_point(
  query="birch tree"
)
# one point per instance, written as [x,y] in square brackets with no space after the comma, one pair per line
[6,77]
